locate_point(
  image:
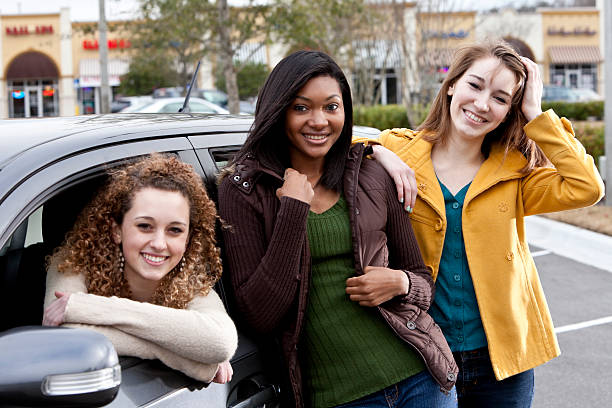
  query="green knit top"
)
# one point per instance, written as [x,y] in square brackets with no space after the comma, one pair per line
[348,350]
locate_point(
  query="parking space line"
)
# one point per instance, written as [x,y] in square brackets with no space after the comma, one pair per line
[583,325]
[541,253]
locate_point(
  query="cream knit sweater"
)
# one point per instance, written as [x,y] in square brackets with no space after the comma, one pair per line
[192,340]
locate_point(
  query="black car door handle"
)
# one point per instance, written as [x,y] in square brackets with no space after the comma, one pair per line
[266,395]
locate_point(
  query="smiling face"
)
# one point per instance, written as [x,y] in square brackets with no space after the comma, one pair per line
[314,121]
[481,99]
[153,237]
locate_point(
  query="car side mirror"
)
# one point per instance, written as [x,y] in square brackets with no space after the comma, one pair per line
[57,366]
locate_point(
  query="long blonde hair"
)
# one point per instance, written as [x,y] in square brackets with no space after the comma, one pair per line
[90,250]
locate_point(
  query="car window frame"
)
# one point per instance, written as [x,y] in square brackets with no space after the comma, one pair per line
[39,187]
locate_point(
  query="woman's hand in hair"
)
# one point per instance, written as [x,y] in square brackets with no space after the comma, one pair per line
[224,373]
[532,98]
[54,314]
[296,186]
[401,173]
[377,285]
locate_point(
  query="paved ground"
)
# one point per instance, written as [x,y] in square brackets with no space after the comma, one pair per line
[580,299]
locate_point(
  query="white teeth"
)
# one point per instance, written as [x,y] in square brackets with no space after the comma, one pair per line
[473,117]
[313,137]
[153,258]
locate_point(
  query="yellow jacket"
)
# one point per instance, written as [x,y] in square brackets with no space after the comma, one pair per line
[515,316]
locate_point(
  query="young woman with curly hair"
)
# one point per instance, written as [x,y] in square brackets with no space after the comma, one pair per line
[139,266]
[485,158]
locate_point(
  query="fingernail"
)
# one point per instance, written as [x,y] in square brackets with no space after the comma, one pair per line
[408,208]
[402,200]
[411,209]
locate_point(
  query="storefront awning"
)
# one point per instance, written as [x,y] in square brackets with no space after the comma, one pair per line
[89,71]
[575,54]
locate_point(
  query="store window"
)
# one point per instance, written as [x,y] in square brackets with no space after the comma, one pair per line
[384,85]
[574,75]
[32,80]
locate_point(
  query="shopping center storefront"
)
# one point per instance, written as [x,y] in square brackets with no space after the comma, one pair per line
[32,84]
[50,66]
[35,69]
[571,39]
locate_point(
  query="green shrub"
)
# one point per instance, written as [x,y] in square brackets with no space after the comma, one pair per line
[592,138]
[381,116]
[576,110]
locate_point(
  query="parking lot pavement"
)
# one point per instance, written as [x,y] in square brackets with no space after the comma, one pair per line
[579,295]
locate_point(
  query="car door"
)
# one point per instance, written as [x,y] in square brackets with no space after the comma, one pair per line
[36,215]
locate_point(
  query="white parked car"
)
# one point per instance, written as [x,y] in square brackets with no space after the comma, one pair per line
[172,105]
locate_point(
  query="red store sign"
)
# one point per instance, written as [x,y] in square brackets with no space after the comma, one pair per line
[25,30]
[112,44]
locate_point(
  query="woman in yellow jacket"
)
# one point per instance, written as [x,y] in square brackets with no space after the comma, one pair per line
[486,157]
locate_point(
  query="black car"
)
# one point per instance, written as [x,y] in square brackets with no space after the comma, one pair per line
[49,170]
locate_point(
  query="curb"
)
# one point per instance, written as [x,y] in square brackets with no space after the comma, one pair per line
[581,245]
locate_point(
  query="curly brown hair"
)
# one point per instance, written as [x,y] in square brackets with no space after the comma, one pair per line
[90,250]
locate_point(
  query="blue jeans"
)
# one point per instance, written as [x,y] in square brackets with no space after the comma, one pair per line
[420,391]
[477,386]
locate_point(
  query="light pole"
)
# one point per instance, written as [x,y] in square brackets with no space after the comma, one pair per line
[103,50]
[607,32]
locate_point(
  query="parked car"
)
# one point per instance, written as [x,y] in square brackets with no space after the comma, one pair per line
[586,95]
[172,105]
[247,107]
[213,95]
[50,170]
[562,94]
[127,103]
[171,92]
[558,94]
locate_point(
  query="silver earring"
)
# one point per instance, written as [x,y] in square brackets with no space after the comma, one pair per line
[182,264]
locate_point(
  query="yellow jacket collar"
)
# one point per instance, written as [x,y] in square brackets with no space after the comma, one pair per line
[497,167]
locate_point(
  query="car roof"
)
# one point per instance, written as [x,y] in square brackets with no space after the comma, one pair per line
[84,132]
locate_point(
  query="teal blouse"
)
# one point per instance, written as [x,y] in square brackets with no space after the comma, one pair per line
[455,308]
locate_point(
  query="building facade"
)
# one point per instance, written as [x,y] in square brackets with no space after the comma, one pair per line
[49,66]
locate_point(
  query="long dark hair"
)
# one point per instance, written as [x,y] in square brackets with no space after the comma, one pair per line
[268,141]
[510,132]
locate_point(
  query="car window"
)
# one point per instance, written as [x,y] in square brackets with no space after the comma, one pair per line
[200,108]
[34,230]
[24,256]
[222,156]
[171,108]
[23,264]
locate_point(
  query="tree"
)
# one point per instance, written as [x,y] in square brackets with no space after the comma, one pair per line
[149,72]
[180,29]
[235,26]
[350,31]
[188,30]
[250,77]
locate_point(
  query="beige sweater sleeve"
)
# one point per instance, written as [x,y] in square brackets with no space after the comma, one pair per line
[128,345]
[203,332]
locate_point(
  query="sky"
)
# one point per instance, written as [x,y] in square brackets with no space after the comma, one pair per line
[87,10]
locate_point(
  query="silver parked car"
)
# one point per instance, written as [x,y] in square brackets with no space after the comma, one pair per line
[49,170]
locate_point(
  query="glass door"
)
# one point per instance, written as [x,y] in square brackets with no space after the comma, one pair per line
[33,102]
[572,77]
